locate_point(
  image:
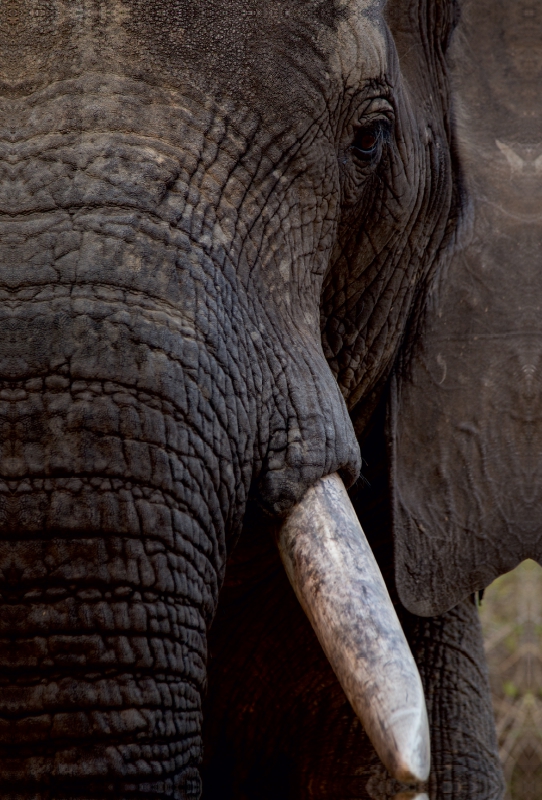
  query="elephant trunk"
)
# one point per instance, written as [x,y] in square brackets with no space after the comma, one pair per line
[145,388]
[118,487]
[103,648]
[120,478]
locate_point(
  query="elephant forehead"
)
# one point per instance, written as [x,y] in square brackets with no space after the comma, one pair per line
[256,47]
[274,56]
[360,49]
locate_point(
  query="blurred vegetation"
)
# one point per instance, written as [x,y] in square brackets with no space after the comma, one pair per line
[511,614]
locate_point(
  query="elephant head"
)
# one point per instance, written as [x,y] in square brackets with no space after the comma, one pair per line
[217,220]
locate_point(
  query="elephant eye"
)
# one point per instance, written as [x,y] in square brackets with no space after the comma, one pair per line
[368,141]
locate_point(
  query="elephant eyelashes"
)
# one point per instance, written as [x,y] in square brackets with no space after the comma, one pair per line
[367,145]
[364,152]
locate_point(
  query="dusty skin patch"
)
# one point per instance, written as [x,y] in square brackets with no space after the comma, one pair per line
[361,44]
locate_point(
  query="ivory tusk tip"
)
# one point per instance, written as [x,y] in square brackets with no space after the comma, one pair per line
[410,762]
[411,796]
[337,580]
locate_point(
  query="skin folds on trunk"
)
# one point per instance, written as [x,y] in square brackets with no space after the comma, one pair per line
[131,397]
[466,422]
[113,501]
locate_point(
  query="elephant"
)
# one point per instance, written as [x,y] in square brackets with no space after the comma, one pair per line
[240,243]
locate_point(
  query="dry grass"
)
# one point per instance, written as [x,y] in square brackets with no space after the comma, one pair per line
[511,615]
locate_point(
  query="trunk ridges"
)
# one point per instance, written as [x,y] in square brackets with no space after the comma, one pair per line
[103,650]
[142,392]
[111,549]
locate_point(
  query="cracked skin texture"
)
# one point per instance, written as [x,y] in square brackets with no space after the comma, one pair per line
[199,278]
[473,368]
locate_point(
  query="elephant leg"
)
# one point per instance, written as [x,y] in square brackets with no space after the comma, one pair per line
[449,652]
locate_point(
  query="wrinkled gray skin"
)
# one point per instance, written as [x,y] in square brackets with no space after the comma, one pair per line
[204,285]
[472,371]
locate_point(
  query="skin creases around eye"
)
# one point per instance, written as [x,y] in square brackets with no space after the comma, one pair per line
[372,129]
[366,136]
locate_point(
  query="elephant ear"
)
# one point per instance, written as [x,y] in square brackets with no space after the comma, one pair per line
[465,414]
[460,517]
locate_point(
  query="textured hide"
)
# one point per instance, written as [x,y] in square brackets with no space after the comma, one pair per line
[205,280]
[466,421]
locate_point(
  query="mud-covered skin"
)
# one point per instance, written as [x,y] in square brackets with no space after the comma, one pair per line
[177,187]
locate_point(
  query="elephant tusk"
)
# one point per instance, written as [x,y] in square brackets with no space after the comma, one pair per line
[340,587]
